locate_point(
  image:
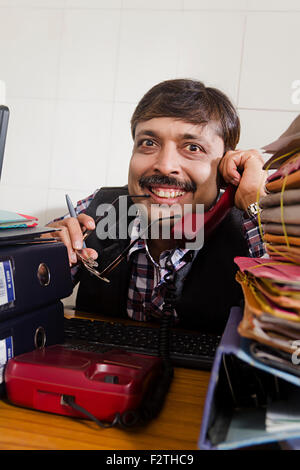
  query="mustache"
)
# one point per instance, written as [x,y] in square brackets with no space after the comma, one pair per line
[188,186]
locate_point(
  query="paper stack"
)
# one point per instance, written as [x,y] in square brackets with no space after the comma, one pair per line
[281,207]
[284,415]
[16,229]
[272,301]
[271,285]
[10,220]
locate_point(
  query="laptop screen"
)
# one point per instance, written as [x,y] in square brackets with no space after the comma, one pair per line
[4,115]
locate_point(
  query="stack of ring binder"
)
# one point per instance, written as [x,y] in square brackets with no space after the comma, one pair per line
[33,280]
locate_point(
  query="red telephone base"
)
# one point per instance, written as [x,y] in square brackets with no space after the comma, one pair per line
[103,384]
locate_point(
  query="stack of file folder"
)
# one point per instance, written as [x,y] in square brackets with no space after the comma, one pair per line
[272,309]
[281,209]
[33,280]
[18,229]
[248,402]
[34,277]
[14,220]
[271,285]
[254,390]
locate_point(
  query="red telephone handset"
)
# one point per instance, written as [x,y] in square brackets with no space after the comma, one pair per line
[188,227]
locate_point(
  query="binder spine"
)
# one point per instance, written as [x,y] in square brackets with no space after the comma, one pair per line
[32,277]
[7,291]
[24,333]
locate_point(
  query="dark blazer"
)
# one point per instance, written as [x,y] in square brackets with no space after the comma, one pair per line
[208,289]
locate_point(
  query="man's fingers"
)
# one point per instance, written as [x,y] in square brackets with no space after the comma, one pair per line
[71,234]
[233,176]
[235,162]
[89,253]
[254,176]
[65,238]
[244,168]
[86,221]
[75,232]
[229,167]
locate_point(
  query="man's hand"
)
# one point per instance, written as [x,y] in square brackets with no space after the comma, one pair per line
[71,234]
[244,168]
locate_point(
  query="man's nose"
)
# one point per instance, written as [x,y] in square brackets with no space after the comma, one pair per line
[167,161]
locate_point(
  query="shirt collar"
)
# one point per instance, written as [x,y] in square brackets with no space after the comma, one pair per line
[177,257]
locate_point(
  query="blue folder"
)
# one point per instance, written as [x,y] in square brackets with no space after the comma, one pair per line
[32,276]
[225,426]
[24,333]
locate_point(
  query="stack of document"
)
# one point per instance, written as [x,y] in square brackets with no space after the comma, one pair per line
[10,220]
[271,285]
[280,216]
[18,228]
[272,301]
[284,415]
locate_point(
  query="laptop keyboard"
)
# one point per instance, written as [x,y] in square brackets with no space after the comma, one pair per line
[188,349]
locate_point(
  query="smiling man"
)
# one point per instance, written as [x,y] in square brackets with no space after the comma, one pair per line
[175,163]
[184,139]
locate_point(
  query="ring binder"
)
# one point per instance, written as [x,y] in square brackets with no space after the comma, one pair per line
[234,422]
[29,286]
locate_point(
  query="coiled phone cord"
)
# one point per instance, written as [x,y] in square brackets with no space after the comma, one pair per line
[154,400]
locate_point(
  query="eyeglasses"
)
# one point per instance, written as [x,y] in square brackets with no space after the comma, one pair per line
[91,264]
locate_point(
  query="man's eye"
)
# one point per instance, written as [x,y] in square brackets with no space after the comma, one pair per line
[146,143]
[194,148]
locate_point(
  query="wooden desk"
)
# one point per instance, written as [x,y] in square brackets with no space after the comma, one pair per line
[176,428]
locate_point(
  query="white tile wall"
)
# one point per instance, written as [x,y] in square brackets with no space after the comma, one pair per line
[81,145]
[99,4]
[121,143]
[75,69]
[56,201]
[273,5]
[242,5]
[34,3]
[24,200]
[214,4]
[88,54]
[260,127]
[149,45]
[153,4]
[270,60]
[210,48]
[29,51]
[27,157]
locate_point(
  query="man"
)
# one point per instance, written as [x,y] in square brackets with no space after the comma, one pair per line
[184,139]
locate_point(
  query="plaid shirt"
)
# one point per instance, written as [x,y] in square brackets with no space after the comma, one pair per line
[147,284]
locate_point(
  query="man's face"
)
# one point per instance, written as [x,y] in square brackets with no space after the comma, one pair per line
[175,162]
